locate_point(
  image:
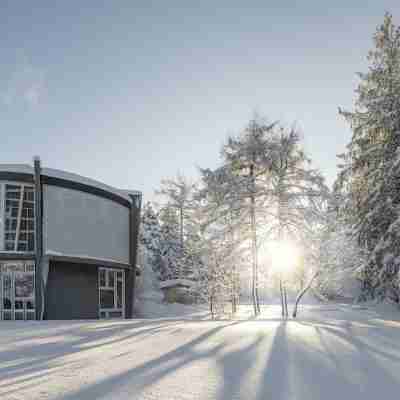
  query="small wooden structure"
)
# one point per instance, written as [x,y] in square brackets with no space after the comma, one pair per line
[178,291]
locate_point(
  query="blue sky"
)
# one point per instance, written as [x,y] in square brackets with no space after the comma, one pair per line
[130,92]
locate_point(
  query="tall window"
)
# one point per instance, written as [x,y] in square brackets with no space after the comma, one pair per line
[17,290]
[111,293]
[18,216]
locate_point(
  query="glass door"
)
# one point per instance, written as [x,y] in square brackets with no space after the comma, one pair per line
[111,293]
[17,291]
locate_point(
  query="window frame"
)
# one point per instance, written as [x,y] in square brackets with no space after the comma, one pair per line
[106,313]
[22,186]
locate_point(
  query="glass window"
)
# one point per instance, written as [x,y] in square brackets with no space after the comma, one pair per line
[119,294]
[17,290]
[24,286]
[111,280]
[107,298]
[102,277]
[19,217]
[111,293]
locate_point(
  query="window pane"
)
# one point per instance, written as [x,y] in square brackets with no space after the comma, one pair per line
[12,187]
[31,242]
[13,195]
[110,278]
[7,292]
[19,305]
[22,246]
[106,298]
[102,277]
[30,305]
[10,235]
[29,195]
[24,285]
[119,294]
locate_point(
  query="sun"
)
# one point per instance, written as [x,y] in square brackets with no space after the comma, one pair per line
[284,256]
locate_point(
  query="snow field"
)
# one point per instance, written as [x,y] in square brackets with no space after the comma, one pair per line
[331,352]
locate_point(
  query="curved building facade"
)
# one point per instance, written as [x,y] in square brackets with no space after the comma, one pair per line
[68,245]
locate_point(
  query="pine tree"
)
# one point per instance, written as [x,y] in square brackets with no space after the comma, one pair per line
[150,239]
[373,175]
[171,249]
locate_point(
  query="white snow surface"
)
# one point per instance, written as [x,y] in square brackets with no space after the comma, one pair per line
[334,351]
[84,256]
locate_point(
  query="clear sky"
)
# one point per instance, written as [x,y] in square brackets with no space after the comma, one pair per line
[130,92]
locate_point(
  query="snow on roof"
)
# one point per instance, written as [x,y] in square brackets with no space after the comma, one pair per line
[176,282]
[56,173]
[105,261]
[21,168]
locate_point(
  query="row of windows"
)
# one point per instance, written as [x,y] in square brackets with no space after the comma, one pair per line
[17,210]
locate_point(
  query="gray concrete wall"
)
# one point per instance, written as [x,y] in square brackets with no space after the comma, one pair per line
[85,225]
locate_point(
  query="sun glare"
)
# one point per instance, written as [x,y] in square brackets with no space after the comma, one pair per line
[284,256]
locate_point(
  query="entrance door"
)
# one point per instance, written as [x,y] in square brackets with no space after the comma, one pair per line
[17,291]
[111,293]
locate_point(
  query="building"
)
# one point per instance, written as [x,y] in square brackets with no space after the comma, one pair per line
[68,245]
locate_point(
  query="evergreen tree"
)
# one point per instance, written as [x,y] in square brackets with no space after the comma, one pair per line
[150,239]
[372,171]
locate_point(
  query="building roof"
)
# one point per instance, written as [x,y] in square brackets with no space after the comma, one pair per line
[69,176]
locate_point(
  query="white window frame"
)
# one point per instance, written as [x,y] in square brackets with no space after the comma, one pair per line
[23,185]
[108,311]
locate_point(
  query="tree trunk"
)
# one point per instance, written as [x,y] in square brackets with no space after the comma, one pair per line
[253,228]
[286,304]
[282,300]
[302,293]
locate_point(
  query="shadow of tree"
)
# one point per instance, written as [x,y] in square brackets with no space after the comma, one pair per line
[271,359]
[274,380]
[27,357]
[152,371]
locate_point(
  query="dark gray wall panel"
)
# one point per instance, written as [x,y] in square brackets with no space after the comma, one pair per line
[72,291]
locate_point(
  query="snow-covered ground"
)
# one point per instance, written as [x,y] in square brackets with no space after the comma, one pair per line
[334,351]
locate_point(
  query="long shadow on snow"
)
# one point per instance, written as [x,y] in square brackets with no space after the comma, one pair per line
[44,356]
[347,368]
[152,371]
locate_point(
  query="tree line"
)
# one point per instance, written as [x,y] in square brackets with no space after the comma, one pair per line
[265,189]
